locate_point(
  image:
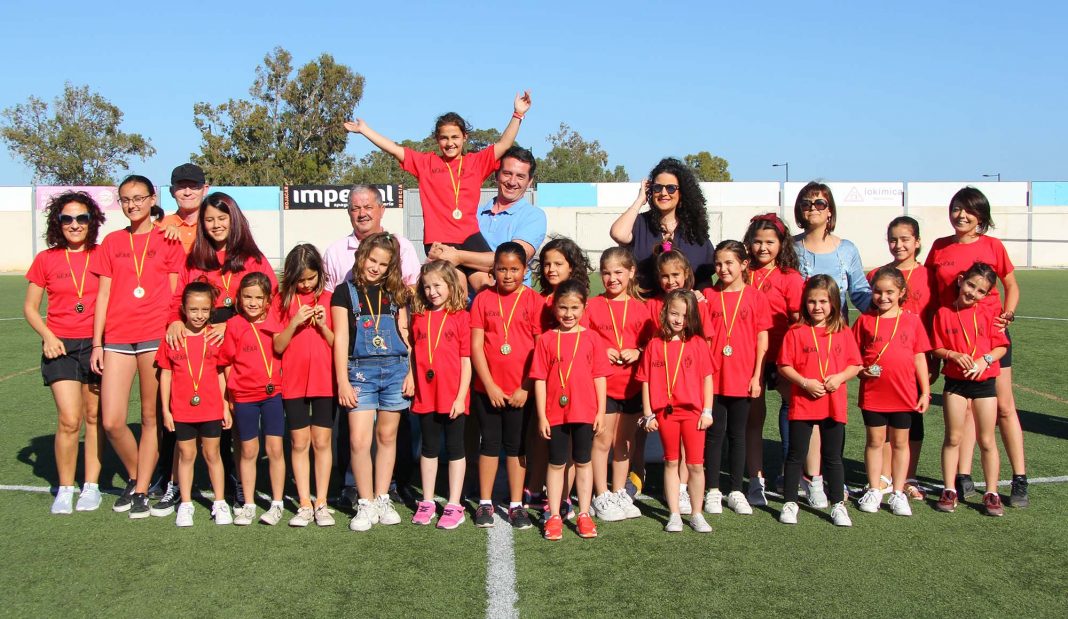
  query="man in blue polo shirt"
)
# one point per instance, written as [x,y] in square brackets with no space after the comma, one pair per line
[507,217]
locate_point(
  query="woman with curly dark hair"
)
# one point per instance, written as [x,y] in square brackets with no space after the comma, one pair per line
[63,272]
[676,219]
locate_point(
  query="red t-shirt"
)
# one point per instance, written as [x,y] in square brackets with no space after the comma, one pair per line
[130,319]
[836,352]
[454,344]
[308,360]
[657,369]
[176,360]
[226,285]
[895,390]
[948,259]
[586,362]
[248,378]
[970,331]
[920,300]
[630,320]
[437,194]
[524,306]
[737,370]
[51,272]
[782,289]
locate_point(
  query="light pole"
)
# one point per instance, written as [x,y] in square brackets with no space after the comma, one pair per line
[786,165]
[994,175]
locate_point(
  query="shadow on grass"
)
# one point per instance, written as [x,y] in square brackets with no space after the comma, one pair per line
[1041,423]
[39,454]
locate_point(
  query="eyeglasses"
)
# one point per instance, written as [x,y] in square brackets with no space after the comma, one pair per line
[66,220]
[818,205]
[657,188]
[136,200]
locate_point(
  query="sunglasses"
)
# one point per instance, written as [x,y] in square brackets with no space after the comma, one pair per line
[66,220]
[819,205]
[657,188]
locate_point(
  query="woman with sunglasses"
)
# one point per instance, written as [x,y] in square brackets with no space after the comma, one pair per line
[676,219]
[63,272]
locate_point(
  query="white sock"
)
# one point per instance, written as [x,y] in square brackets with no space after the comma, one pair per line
[514,504]
[278,503]
[89,486]
[187,503]
[486,502]
[682,487]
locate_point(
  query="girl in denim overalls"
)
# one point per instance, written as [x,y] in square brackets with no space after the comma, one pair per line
[371,363]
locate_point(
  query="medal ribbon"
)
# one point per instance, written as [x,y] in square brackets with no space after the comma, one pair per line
[975,325]
[377,318]
[766,277]
[79,286]
[138,268]
[456,180]
[430,350]
[897,321]
[819,362]
[226,283]
[734,317]
[560,361]
[619,330]
[203,357]
[671,380]
[500,308]
[263,353]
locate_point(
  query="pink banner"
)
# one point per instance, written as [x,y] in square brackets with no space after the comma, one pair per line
[107,198]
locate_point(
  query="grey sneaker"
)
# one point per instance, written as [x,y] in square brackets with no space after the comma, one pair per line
[626,503]
[871,501]
[606,508]
[273,515]
[220,511]
[817,498]
[840,515]
[304,517]
[737,502]
[788,515]
[64,503]
[899,504]
[185,515]
[684,502]
[323,517]
[244,515]
[386,513]
[366,515]
[674,524]
[90,498]
[698,524]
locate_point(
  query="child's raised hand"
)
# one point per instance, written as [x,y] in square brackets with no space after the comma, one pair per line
[319,317]
[697,294]
[168,421]
[613,356]
[355,126]
[832,383]
[175,334]
[814,388]
[522,102]
[303,315]
[216,333]
[629,355]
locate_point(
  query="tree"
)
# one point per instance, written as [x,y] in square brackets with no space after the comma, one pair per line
[708,168]
[78,142]
[572,159]
[289,132]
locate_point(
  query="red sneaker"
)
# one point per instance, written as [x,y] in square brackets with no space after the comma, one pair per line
[992,504]
[948,501]
[586,528]
[554,528]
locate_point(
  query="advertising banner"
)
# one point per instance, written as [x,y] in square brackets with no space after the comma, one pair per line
[300,197]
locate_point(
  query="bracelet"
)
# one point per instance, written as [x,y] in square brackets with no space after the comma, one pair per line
[517,116]
[98,346]
[707,411]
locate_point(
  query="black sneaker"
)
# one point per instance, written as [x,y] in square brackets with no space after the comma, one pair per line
[484,516]
[1018,498]
[122,504]
[519,518]
[965,486]
[139,506]
[348,498]
[170,500]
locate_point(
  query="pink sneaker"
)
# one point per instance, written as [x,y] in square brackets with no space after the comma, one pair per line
[424,512]
[452,517]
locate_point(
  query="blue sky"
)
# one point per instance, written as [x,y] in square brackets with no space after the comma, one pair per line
[841,90]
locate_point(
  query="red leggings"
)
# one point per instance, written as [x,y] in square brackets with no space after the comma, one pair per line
[680,428]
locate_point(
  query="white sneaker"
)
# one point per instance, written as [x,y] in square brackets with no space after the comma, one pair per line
[185,515]
[871,501]
[714,501]
[788,515]
[626,503]
[273,515]
[757,497]
[737,502]
[684,502]
[366,515]
[303,517]
[90,498]
[899,504]
[386,513]
[607,509]
[698,524]
[323,517]
[220,511]
[244,515]
[840,515]
[817,498]
[674,524]
[64,503]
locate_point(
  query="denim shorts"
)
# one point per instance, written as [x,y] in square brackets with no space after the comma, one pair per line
[378,382]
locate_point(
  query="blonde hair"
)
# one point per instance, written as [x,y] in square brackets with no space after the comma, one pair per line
[625,258]
[456,301]
[391,281]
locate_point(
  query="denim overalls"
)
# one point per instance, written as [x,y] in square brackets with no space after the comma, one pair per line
[377,372]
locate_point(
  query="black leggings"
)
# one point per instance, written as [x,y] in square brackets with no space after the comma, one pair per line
[507,426]
[729,416]
[832,441]
[431,425]
[574,439]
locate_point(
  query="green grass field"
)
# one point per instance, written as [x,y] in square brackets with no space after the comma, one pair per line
[929,565]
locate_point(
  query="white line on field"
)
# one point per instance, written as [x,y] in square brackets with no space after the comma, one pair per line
[6,319]
[500,571]
[1043,318]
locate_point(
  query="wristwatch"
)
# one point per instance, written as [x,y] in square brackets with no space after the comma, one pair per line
[989,359]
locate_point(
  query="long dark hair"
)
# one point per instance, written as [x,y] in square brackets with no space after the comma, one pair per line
[240,246]
[690,213]
[54,233]
[303,257]
[787,259]
[575,257]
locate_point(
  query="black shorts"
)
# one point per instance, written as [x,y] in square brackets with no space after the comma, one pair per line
[898,421]
[72,366]
[916,429]
[574,439]
[630,406]
[1006,361]
[322,413]
[971,389]
[204,429]
[475,243]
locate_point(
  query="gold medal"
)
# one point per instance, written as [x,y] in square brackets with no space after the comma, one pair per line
[563,400]
[139,292]
[267,365]
[228,302]
[79,308]
[195,400]
[378,342]
[457,214]
[455,180]
[506,349]
[560,362]
[79,287]
[430,349]
[876,370]
[728,350]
